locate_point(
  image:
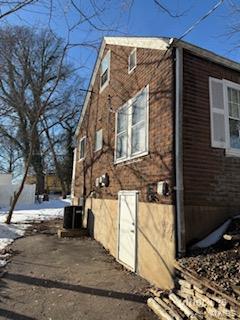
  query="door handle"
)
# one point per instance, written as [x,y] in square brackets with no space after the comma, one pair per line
[132,231]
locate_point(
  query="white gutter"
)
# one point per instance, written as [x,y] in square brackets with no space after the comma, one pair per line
[73,173]
[181,245]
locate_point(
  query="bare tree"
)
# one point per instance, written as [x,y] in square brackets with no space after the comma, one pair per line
[10,7]
[32,69]
[59,128]
[24,94]
[10,156]
[29,63]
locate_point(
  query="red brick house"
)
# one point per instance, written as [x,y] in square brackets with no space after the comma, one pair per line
[157,161]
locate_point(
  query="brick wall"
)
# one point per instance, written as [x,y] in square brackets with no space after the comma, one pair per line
[211,180]
[155,69]
[209,176]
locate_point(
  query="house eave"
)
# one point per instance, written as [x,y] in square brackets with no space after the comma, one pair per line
[91,83]
[139,42]
[207,54]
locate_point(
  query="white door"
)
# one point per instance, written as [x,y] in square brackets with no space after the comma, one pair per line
[127,228]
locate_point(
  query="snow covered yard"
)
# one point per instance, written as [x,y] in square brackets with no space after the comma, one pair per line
[22,218]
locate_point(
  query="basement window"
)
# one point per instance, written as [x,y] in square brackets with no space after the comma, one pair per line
[105,71]
[98,140]
[132,60]
[225,115]
[82,148]
[132,128]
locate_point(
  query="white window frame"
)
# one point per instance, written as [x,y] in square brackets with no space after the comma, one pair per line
[101,143]
[229,84]
[226,84]
[134,51]
[129,104]
[107,55]
[116,134]
[79,151]
[216,144]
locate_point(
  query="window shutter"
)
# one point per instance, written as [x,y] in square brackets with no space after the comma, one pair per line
[217,110]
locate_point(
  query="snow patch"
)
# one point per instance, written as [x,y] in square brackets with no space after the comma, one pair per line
[22,218]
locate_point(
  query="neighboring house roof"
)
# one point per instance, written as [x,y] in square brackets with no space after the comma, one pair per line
[162,43]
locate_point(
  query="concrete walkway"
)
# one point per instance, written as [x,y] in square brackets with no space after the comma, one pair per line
[68,279]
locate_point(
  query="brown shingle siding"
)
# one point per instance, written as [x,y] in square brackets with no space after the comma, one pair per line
[210,178]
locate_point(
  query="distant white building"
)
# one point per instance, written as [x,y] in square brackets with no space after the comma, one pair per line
[5,178]
[7,190]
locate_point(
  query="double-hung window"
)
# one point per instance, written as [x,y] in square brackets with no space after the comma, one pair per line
[82,148]
[132,128]
[225,115]
[234,117]
[105,71]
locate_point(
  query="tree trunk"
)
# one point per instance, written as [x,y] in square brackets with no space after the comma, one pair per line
[17,195]
[38,169]
[55,159]
[37,163]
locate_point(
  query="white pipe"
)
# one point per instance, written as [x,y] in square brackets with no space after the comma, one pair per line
[73,173]
[181,246]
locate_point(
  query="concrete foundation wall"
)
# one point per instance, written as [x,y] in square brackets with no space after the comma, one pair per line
[104,222]
[156,243]
[155,237]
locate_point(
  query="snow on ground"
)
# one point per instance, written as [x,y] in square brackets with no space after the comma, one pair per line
[22,218]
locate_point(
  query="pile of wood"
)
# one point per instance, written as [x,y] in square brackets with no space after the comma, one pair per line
[219,263]
[207,283]
[192,299]
[171,307]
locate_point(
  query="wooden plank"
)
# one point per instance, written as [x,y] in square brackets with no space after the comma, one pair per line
[207,284]
[236,289]
[71,233]
[231,237]
[168,308]
[181,305]
[158,310]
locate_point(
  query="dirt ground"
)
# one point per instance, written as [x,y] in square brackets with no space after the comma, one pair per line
[219,264]
[68,279]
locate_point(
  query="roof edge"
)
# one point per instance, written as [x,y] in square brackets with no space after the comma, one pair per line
[207,54]
[139,42]
[90,87]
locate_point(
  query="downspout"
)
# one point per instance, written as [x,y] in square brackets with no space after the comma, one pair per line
[181,245]
[73,175]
